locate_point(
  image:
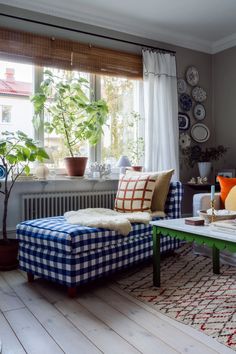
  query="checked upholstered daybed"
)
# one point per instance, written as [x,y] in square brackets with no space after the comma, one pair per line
[72,255]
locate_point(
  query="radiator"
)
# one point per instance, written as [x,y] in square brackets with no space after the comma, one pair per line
[40,205]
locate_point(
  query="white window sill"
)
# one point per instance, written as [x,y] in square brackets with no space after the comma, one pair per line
[65,179]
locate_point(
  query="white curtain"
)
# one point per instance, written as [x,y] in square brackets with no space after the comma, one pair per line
[161,112]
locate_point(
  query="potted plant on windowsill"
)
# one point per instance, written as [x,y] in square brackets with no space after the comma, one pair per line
[71,115]
[17,151]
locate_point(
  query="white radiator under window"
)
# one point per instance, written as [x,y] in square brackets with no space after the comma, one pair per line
[40,205]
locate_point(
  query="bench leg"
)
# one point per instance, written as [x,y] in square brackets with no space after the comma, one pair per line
[71,291]
[30,277]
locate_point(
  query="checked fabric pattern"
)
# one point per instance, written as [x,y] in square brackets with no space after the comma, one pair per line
[135,193]
[73,254]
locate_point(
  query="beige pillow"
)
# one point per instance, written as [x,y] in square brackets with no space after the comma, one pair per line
[159,214]
[135,193]
[230,201]
[161,187]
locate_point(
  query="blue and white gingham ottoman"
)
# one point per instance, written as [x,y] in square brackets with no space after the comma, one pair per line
[73,255]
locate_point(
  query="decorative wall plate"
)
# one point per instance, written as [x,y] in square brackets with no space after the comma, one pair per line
[199,94]
[181,86]
[184,121]
[2,172]
[200,133]
[184,140]
[199,111]
[185,102]
[192,76]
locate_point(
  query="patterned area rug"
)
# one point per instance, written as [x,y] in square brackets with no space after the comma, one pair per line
[190,293]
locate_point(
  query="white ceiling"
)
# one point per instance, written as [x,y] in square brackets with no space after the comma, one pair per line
[206,25]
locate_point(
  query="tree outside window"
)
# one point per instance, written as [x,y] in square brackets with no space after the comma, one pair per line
[120,134]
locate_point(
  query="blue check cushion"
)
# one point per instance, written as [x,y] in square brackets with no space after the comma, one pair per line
[77,269]
[57,235]
[72,254]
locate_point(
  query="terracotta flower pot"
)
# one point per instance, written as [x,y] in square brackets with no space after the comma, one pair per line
[8,255]
[75,166]
[137,168]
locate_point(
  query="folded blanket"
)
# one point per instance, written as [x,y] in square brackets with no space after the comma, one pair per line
[107,219]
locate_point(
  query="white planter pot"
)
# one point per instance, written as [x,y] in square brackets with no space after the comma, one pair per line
[204,169]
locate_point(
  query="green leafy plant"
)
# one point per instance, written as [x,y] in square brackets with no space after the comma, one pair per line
[72,115]
[17,151]
[194,154]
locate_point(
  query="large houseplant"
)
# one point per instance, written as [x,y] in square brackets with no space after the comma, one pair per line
[72,115]
[17,151]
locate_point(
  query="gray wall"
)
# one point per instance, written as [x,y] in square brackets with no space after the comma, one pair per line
[224,104]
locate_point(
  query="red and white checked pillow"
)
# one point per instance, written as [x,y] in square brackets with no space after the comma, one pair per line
[135,193]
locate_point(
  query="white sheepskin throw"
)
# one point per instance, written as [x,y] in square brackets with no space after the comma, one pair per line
[107,219]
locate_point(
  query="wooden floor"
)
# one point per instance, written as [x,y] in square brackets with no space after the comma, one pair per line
[38,318]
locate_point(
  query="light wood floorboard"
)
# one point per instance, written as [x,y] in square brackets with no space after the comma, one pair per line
[39,318]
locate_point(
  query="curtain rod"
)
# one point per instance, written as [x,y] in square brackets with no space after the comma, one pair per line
[88,33]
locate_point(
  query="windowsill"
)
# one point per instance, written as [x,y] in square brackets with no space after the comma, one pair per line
[59,178]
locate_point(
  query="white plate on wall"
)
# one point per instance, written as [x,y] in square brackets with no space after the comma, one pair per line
[199,94]
[200,133]
[199,111]
[192,76]
[184,140]
[181,86]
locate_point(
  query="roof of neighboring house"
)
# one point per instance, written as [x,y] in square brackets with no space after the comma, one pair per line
[9,86]
[15,88]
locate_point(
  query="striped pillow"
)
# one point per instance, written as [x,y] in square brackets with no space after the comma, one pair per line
[135,193]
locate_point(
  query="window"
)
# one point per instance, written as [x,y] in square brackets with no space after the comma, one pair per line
[16,87]
[19,81]
[120,132]
[53,143]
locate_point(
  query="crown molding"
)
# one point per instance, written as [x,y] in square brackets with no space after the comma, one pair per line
[126,25]
[123,25]
[223,44]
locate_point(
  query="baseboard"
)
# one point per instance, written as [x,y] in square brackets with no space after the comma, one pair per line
[11,233]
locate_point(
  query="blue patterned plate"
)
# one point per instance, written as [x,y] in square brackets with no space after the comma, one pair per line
[185,102]
[2,172]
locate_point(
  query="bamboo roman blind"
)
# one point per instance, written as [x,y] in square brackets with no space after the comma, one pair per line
[65,54]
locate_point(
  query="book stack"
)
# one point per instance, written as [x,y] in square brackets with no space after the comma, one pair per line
[194,221]
[228,226]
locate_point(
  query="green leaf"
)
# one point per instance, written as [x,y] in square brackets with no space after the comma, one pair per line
[12,159]
[42,153]
[27,170]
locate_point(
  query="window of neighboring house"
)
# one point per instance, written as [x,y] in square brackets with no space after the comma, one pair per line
[16,87]
[6,114]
